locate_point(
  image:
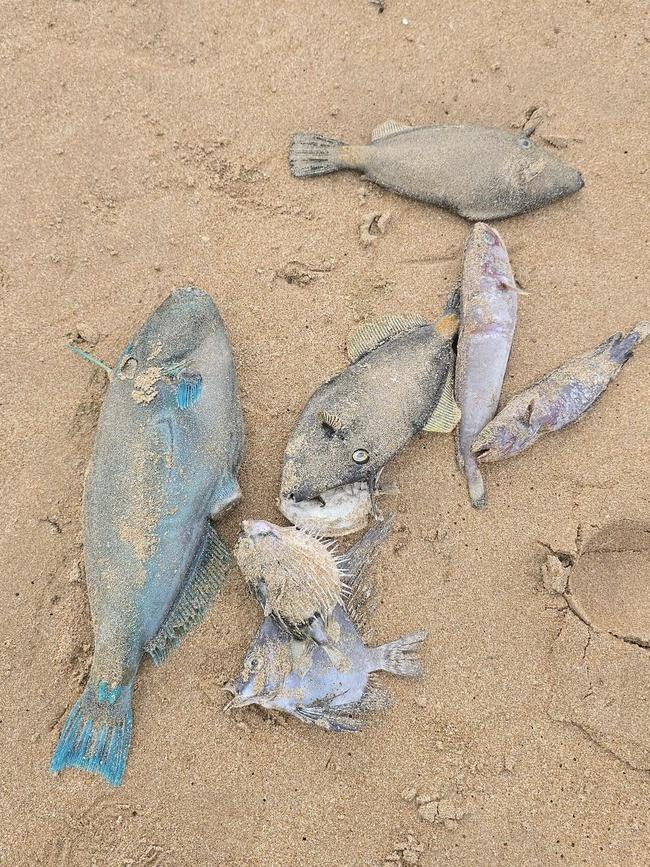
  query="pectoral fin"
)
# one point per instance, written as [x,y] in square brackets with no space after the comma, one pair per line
[188,389]
[446,415]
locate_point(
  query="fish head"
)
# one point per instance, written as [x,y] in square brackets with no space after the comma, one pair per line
[501,438]
[329,473]
[165,344]
[266,666]
[541,175]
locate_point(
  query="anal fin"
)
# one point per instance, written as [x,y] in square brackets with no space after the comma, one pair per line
[372,334]
[446,415]
[204,581]
[388,127]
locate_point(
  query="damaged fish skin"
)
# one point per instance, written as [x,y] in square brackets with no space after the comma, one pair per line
[165,460]
[476,172]
[557,399]
[487,324]
[329,685]
[397,385]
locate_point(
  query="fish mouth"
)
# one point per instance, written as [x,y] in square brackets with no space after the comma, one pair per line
[338,511]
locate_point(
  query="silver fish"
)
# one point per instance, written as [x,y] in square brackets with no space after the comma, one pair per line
[167,452]
[334,690]
[487,324]
[479,173]
[399,382]
[558,399]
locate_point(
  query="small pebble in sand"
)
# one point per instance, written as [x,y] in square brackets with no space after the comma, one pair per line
[372,225]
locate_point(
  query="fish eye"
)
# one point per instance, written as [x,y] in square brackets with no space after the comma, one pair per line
[253,663]
[128,368]
[360,456]
[525,142]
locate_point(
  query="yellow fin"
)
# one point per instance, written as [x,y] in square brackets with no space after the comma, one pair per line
[389,127]
[446,415]
[370,335]
[447,325]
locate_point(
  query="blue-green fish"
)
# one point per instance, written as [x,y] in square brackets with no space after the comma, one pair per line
[167,452]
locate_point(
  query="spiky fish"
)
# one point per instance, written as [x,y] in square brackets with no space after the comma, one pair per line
[165,460]
[334,690]
[399,382]
[297,578]
[558,399]
[487,325]
[479,173]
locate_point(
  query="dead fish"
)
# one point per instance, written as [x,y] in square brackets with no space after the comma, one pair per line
[305,679]
[479,173]
[487,324]
[399,382]
[297,578]
[167,451]
[557,399]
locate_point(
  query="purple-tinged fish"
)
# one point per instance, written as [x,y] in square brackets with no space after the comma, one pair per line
[487,324]
[557,399]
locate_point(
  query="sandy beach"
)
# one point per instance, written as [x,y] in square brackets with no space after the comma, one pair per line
[144,147]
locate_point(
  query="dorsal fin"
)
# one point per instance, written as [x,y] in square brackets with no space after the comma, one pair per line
[389,127]
[371,334]
[446,415]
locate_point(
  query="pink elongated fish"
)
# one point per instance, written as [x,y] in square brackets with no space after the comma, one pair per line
[487,325]
[558,399]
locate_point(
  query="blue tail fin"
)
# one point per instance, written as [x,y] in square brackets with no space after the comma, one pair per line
[97,733]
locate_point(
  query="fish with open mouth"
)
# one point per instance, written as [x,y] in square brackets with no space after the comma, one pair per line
[306,679]
[558,399]
[399,382]
[487,325]
[165,460]
[476,172]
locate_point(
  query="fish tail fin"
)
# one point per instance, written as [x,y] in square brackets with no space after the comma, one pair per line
[401,656]
[475,483]
[97,733]
[623,345]
[313,154]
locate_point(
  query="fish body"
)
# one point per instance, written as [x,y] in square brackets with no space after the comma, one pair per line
[487,325]
[558,399]
[476,172]
[165,460]
[327,685]
[397,384]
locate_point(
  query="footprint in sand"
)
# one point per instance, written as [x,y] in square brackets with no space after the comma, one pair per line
[601,658]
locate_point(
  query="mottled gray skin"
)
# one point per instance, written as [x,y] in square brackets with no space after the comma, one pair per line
[476,172]
[383,400]
[487,326]
[156,475]
[557,399]
[328,685]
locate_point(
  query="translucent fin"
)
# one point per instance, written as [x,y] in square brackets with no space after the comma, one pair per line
[188,389]
[361,602]
[97,733]
[211,567]
[446,415]
[389,127]
[313,154]
[372,334]
[401,656]
[330,420]
[226,493]
[346,717]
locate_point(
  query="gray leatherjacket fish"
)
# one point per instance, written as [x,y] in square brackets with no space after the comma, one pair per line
[487,325]
[399,382]
[476,172]
[557,399]
[329,685]
[167,451]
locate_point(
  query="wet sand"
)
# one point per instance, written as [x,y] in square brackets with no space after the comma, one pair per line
[144,147]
